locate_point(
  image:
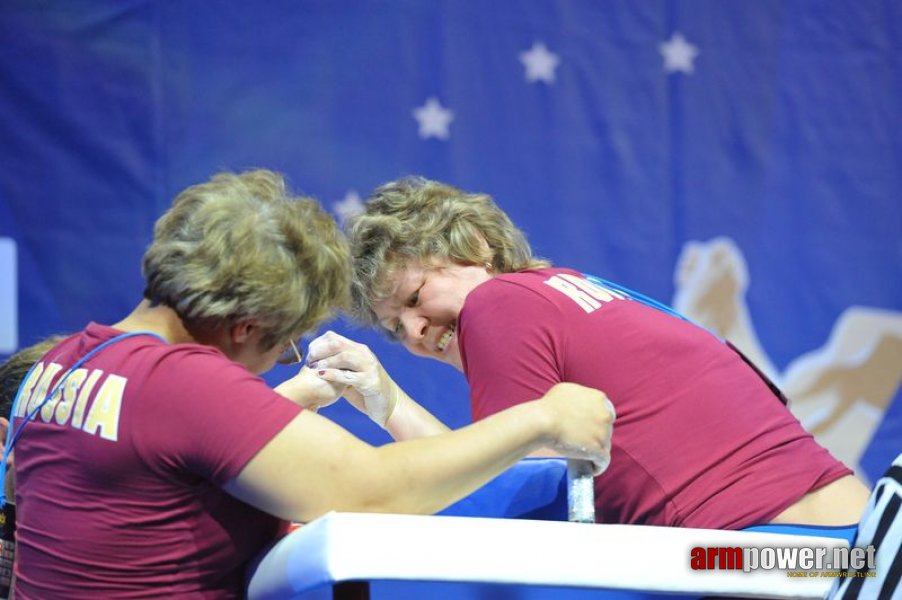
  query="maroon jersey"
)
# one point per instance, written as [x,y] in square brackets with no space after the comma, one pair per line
[119,478]
[700,439]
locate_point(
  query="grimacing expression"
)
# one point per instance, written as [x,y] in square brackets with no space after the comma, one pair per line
[423,308]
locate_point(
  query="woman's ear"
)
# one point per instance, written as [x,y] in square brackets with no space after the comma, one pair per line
[241,331]
[4,428]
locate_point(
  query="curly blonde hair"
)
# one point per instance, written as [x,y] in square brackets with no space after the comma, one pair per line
[416,219]
[241,246]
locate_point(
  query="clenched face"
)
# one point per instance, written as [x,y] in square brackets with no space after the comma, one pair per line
[422,310]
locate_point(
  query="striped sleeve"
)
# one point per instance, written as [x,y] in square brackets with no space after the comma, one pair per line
[880,527]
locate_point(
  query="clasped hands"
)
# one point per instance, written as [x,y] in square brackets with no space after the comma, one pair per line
[336,367]
[583,418]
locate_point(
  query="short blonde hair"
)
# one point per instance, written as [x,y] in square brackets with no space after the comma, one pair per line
[415,219]
[241,246]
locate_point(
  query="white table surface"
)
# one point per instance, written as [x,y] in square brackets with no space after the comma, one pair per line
[348,546]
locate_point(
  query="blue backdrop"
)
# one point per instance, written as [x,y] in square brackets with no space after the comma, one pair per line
[678,147]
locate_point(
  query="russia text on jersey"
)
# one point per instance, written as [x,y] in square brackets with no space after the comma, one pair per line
[75,404]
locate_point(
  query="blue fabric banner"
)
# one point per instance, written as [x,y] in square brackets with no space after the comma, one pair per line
[739,160]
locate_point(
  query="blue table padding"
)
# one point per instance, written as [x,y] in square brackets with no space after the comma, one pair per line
[534,488]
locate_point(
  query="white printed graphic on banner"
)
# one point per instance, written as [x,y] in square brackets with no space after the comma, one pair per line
[711,279]
[839,391]
[9,333]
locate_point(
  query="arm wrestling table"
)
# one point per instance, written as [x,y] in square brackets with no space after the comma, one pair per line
[352,556]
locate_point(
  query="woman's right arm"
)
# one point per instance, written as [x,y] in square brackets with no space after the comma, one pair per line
[370,389]
[314,466]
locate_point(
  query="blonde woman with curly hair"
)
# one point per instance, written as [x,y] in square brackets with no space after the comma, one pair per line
[153,461]
[702,439]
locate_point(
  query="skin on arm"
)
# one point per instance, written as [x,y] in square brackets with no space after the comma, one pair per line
[838,503]
[314,466]
[410,420]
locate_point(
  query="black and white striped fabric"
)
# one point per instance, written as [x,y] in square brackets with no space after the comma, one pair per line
[881,526]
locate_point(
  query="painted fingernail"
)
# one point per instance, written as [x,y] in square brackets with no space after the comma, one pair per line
[321,372]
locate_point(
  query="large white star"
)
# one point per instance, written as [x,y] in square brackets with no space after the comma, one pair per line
[434,119]
[540,63]
[348,206]
[678,54]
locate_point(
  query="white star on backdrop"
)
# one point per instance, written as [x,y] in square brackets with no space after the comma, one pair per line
[434,119]
[540,63]
[678,54]
[348,206]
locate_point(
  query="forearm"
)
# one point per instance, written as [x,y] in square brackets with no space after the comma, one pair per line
[409,420]
[425,475]
[313,466]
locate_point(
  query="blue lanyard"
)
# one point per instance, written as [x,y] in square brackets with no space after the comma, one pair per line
[642,298]
[647,301]
[633,295]
[12,438]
